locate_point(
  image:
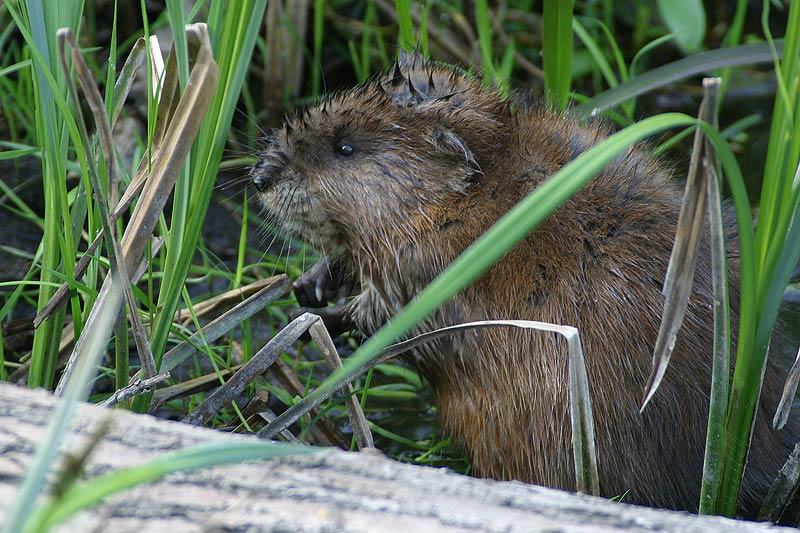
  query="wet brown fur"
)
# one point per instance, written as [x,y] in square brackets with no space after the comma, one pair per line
[437,160]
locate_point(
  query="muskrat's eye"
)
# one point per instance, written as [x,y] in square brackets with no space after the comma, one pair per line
[345,149]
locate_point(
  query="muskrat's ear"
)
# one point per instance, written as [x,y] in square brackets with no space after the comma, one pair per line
[450,143]
[410,60]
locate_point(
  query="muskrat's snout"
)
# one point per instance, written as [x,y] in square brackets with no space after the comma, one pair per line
[261,180]
[266,173]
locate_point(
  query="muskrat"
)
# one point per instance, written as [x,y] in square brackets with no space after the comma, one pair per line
[393,179]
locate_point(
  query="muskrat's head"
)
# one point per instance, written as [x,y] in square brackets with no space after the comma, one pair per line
[374,164]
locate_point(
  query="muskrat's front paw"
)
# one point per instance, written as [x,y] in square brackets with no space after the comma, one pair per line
[318,285]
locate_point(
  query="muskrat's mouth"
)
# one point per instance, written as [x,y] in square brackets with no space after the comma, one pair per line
[326,239]
[298,217]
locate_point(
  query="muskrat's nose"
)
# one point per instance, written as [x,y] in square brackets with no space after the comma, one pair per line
[261,182]
[262,177]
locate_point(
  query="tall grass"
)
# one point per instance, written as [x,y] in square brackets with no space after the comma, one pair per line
[776,248]
[234,27]
[54,126]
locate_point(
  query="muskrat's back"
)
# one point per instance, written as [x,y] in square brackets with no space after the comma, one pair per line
[395,178]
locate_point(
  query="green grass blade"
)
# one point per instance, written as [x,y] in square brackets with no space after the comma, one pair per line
[111,71]
[733,37]
[749,54]
[405,25]
[503,72]
[176,22]
[597,54]
[76,390]
[557,52]
[13,154]
[687,20]
[89,493]
[367,36]
[319,31]
[484,27]
[15,67]
[619,57]
[424,48]
[783,139]
[644,50]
